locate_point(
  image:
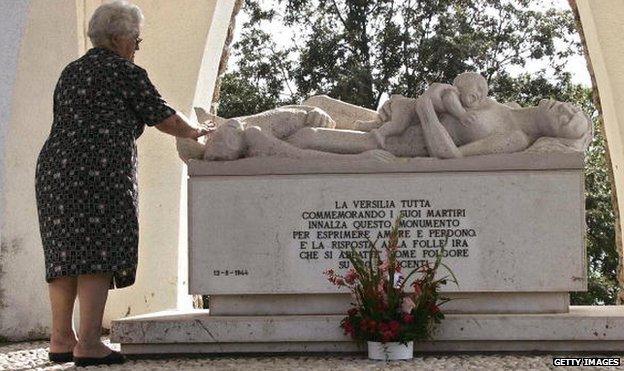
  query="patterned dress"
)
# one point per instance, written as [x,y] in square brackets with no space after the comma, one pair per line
[86,183]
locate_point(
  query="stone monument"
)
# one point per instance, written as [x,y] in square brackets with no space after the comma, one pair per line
[278,197]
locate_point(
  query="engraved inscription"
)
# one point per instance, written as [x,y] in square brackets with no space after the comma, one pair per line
[425,231]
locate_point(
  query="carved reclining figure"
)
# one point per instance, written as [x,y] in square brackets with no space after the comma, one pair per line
[306,131]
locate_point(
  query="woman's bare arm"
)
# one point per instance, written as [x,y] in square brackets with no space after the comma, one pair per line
[180,126]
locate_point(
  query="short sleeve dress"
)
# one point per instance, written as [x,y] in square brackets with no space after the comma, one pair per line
[86,182]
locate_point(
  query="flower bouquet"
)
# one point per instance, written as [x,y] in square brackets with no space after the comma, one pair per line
[383,313]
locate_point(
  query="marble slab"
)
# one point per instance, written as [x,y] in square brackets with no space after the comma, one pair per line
[462,302]
[584,328]
[289,166]
[511,231]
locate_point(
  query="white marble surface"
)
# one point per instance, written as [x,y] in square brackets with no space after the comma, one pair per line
[529,228]
[344,114]
[288,166]
[463,302]
[583,328]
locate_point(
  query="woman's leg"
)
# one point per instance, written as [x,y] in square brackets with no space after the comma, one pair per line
[62,292]
[92,294]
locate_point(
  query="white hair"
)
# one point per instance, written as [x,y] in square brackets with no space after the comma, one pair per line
[117,18]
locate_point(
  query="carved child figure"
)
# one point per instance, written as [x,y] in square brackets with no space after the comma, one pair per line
[469,91]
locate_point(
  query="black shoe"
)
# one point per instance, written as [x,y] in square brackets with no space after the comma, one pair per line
[61,357]
[114,358]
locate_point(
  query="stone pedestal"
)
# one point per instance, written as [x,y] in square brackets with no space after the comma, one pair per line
[596,329]
[261,232]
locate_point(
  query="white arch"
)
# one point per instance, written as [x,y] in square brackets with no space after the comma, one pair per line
[182,46]
[603,29]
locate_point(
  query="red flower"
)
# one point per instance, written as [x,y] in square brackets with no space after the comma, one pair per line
[348,329]
[408,318]
[387,336]
[394,326]
[372,325]
[434,308]
[384,327]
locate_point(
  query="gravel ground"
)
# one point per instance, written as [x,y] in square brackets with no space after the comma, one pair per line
[34,356]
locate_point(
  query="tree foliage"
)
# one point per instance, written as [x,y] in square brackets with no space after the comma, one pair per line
[360,50]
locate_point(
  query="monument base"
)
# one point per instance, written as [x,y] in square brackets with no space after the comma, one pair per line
[462,303]
[583,328]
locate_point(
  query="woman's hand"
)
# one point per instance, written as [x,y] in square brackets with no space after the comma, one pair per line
[201,131]
[180,126]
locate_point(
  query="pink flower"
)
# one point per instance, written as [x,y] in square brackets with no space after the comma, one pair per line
[384,266]
[407,305]
[351,276]
[417,288]
[334,278]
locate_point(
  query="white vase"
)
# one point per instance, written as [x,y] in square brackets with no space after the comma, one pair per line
[390,351]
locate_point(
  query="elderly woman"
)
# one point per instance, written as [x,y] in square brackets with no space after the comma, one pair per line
[86,183]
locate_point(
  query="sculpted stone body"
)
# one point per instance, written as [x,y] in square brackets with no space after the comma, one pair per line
[469,91]
[268,134]
[432,125]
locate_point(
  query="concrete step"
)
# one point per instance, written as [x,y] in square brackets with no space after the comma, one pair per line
[583,328]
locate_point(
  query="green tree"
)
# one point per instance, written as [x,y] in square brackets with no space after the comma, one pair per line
[359,50]
[262,73]
[602,255]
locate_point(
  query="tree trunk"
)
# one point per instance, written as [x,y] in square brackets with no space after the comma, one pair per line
[614,201]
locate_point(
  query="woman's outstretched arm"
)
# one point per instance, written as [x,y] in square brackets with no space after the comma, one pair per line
[180,126]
